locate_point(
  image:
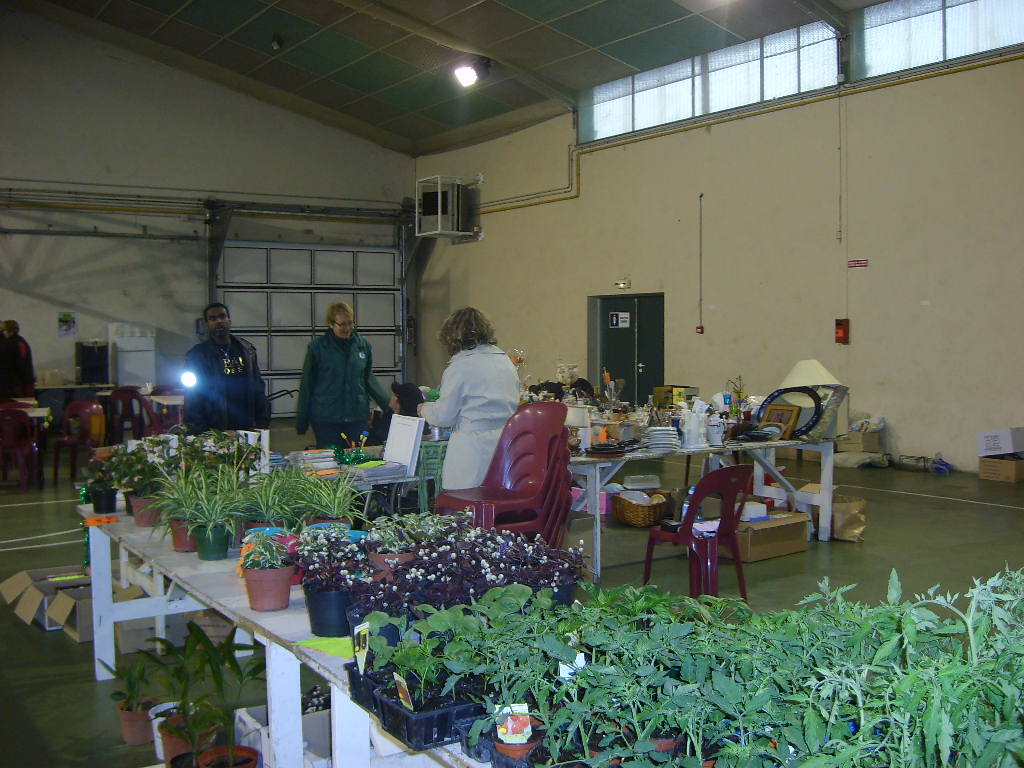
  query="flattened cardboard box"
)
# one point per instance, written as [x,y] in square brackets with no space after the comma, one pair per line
[782,535]
[1003,469]
[1000,441]
[35,588]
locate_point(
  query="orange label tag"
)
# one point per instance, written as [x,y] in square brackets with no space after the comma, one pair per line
[100,520]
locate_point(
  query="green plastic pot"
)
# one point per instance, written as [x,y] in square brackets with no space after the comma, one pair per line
[212,542]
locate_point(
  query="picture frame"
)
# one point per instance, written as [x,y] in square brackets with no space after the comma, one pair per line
[786,415]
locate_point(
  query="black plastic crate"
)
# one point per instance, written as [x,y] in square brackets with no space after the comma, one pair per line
[424,730]
[483,750]
[361,688]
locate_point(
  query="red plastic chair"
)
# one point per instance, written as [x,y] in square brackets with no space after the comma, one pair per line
[131,409]
[90,432]
[169,415]
[18,442]
[730,485]
[526,488]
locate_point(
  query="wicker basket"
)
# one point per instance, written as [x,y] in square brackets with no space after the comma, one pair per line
[641,515]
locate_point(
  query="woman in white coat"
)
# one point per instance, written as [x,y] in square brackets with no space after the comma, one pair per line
[479,391]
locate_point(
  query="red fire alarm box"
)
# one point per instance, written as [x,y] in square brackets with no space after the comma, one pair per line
[843,330]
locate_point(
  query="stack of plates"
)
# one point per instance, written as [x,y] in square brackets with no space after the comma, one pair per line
[662,439]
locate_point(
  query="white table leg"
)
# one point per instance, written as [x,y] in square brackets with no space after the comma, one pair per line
[102,602]
[350,730]
[284,707]
[825,505]
[593,475]
[160,589]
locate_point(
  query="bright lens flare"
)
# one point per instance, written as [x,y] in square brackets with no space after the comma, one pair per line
[188,379]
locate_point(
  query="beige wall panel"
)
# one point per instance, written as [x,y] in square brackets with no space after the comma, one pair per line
[929,191]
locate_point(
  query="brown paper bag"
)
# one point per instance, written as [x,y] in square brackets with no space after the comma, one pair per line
[848,518]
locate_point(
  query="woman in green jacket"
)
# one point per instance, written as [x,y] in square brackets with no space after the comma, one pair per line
[338,382]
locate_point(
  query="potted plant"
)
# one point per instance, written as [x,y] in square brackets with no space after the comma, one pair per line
[132,704]
[392,538]
[140,470]
[228,677]
[331,500]
[210,507]
[180,673]
[175,498]
[102,492]
[267,570]
[273,499]
[331,565]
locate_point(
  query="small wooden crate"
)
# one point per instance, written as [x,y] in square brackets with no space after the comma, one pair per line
[641,515]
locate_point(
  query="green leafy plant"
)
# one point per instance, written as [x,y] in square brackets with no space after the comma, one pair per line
[263,551]
[134,679]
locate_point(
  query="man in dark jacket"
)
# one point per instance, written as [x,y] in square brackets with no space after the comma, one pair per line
[17,376]
[229,392]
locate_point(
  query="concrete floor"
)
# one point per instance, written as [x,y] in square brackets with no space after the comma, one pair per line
[934,529]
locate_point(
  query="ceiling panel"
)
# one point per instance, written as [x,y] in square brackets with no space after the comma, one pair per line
[220,16]
[614,19]
[316,11]
[421,91]
[326,52]
[672,42]
[383,66]
[376,71]
[487,22]
[131,16]
[537,47]
[286,27]
[546,10]
[586,70]
[184,37]
[237,58]
[468,109]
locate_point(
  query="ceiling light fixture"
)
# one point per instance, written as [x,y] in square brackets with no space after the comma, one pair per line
[469,70]
[277,42]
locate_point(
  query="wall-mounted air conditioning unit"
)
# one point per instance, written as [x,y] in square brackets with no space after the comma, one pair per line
[446,207]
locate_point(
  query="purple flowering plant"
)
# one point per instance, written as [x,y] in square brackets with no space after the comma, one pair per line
[331,562]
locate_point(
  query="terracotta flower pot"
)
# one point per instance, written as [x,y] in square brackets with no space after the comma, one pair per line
[518,751]
[146,516]
[243,757]
[175,745]
[385,563]
[135,725]
[181,539]
[268,588]
[667,745]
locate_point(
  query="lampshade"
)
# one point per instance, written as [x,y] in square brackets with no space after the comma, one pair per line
[808,373]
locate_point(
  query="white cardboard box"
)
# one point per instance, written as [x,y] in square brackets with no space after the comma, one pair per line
[252,730]
[999,441]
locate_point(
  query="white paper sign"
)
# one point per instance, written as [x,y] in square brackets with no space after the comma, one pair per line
[618,319]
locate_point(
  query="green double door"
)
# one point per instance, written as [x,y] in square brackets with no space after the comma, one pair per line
[632,342]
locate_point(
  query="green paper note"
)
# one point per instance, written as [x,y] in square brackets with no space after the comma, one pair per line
[335,646]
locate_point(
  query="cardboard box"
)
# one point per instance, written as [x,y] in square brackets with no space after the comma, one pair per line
[1003,469]
[860,442]
[36,588]
[668,395]
[788,453]
[71,610]
[1001,441]
[784,534]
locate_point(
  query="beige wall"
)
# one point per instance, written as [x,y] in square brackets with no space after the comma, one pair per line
[85,116]
[924,179]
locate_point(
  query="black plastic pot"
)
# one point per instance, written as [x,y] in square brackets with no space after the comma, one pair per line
[357,612]
[483,750]
[328,612]
[104,500]
[424,730]
[362,688]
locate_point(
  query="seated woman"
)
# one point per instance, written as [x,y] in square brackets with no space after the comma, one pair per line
[479,391]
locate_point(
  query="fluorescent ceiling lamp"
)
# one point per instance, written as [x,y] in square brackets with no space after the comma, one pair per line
[466,75]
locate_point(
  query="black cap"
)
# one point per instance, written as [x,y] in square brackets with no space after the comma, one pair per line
[409,396]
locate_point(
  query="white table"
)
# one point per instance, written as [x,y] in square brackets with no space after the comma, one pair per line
[181,582]
[595,472]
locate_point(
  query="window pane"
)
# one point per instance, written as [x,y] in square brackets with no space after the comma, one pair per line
[818,68]
[898,10]
[667,104]
[655,78]
[816,33]
[735,86]
[734,54]
[612,118]
[781,42]
[983,25]
[780,75]
[910,42]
